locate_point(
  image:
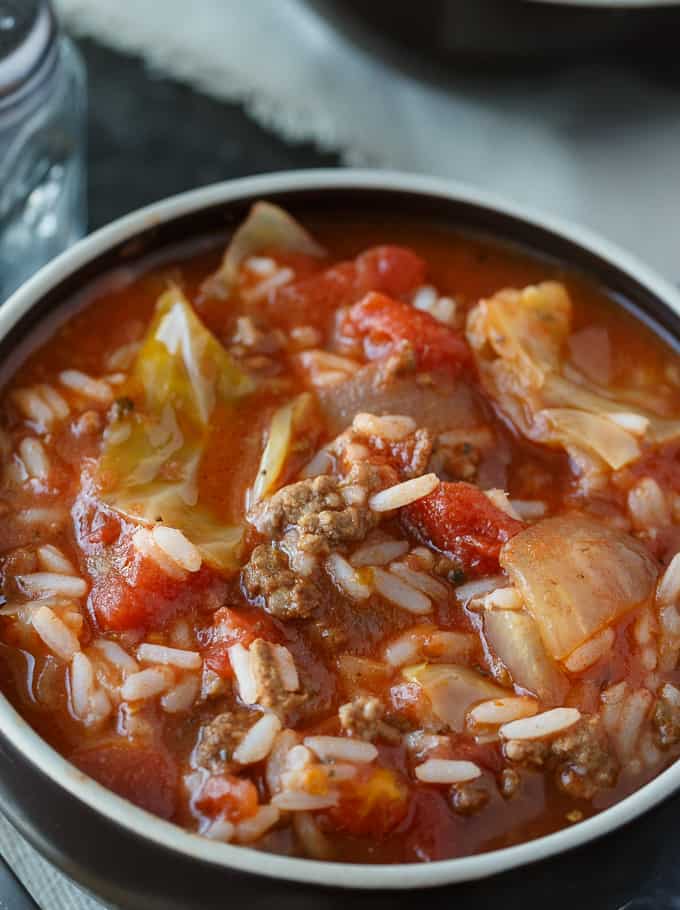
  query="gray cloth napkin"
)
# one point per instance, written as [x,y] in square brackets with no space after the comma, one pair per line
[50,888]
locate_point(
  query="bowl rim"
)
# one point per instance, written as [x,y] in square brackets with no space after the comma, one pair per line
[309,871]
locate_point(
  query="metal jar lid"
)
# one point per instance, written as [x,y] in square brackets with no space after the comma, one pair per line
[27,44]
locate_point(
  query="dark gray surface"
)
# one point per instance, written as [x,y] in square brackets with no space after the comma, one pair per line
[151,137]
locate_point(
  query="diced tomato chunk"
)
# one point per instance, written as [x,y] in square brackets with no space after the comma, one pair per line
[462,522]
[143,596]
[372,803]
[230,627]
[147,777]
[393,270]
[383,323]
[224,794]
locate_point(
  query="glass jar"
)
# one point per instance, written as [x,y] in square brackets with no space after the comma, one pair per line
[42,141]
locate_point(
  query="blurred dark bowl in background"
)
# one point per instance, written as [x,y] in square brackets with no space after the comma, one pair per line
[507,33]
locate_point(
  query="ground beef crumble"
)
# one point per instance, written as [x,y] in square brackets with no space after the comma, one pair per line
[580,758]
[316,509]
[284,594]
[362,717]
[271,693]
[219,737]
[666,720]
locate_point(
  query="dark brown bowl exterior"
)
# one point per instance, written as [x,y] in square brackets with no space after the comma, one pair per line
[131,872]
[504,33]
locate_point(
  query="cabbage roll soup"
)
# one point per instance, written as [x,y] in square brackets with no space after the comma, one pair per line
[355,541]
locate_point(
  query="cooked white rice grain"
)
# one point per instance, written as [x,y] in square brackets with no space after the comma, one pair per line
[424,556]
[258,741]
[590,651]
[341,771]
[503,599]
[451,647]
[306,336]
[325,378]
[15,473]
[402,494]
[144,542]
[298,758]
[391,427]
[175,545]
[378,553]
[399,593]
[299,801]
[181,696]
[528,509]
[312,839]
[447,771]
[633,423]
[341,748]
[53,560]
[50,584]
[34,457]
[647,505]
[324,361]
[50,517]
[424,297]
[116,433]
[260,265]
[668,589]
[649,658]
[286,667]
[181,635]
[498,711]
[87,386]
[55,633]
[34,407]
[284,744]
[271,283]
[355,452]
[146,684]
[81,679]
[54,401]
[474,589]
[403,651]
[252,829]
[672,694]
[221,829]
[501,500]
[173,657]
[321,463]
[346,578]
[116,655]
[644,628]
[540,726]
[124,356]
[240,664]
[633,713]
[421,581]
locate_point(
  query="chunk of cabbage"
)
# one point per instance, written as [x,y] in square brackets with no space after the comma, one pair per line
[148,469]
[278,446]
[577,576]
[452,690]
[518,338]
[513,637]
[267,227]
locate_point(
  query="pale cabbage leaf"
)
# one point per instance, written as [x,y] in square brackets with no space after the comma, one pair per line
[148,469]
[518,338]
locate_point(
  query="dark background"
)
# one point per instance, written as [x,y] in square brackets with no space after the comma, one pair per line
[150,137]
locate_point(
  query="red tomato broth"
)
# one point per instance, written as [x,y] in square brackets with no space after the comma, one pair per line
[423,826]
